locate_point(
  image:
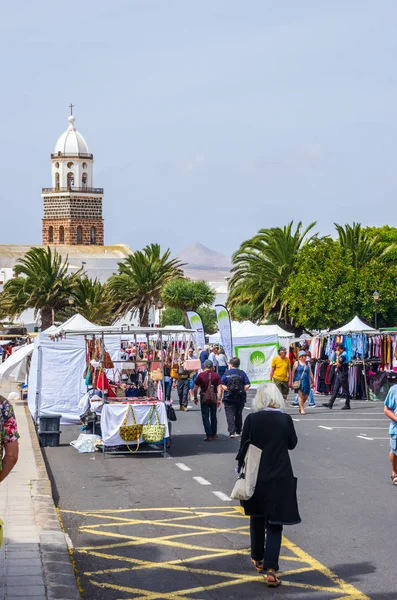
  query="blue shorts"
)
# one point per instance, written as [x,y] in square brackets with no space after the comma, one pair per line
[393,444]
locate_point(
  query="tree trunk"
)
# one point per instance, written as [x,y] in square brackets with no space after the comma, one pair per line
[46,318]
[143,317]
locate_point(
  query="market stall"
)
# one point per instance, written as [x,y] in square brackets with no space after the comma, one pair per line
[256,346]
[123,367]
[372,359]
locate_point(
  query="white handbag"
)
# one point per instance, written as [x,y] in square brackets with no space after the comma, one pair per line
[244,487]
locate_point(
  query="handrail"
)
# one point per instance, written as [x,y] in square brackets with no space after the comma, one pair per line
[72,189]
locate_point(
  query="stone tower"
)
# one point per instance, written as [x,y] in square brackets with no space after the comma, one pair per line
[72,206]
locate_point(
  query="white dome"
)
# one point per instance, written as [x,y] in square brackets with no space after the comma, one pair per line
[71,142]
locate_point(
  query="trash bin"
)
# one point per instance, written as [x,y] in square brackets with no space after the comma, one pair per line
[49,429]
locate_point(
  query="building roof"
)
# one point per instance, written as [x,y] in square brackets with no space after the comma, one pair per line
[99,261]
[71,142]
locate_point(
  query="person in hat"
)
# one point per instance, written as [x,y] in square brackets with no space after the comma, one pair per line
[341,379]
[302,379]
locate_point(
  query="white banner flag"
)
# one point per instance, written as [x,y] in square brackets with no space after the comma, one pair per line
[256,361]
[225,329]
[196,323]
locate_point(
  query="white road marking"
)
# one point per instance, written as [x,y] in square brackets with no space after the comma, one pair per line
[201,481]
[324,427]
[222,496]
[380,438]
[366,427]
[247,408]
[297,420]
[182,467]
[342,419]
[363,437]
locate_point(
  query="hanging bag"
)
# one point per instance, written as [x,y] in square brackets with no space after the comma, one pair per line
[208,396]
[130,433]
[244,487]
[156,375]
[297,384]
[153,434]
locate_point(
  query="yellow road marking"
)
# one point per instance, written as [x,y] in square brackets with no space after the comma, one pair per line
[108,519]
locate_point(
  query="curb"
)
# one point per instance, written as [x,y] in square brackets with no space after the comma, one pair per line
[59,576]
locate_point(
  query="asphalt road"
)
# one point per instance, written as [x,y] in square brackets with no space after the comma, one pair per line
[144,527]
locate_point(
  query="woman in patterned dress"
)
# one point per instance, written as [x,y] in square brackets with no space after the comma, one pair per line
[8,438]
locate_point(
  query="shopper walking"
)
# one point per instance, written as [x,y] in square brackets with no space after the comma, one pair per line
[204,355]
[182,387]
[235,384]
[222,363]
[302,373]
[274,502]
[279,372]
[213,357]
[341,379]
[390,410]
[209,384]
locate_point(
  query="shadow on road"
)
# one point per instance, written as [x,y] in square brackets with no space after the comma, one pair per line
[194,444]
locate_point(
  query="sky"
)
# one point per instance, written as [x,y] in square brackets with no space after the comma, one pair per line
[208,119]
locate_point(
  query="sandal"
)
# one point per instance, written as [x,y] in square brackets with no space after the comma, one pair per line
[301,412]
[272,579]
[393,479]
[258,564]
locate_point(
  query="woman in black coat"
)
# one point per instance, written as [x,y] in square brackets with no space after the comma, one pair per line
[274,502]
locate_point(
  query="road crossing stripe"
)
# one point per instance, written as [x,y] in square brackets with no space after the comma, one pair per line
[201,481]
[222,496]
[182,467]
[364,437]
[324,427]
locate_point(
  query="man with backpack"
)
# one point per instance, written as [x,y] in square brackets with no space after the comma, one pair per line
[235,384]
[210,387]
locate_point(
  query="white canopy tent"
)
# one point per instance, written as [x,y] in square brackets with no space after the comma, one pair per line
[16,365]
[56,381]
[356,325]
[247,332]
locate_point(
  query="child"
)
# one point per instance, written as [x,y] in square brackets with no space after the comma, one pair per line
[390,410]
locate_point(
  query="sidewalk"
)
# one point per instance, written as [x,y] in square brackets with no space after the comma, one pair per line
[34,559]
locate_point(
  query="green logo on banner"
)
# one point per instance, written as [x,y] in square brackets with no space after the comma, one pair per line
[257,358]
[195,320]
[223,316]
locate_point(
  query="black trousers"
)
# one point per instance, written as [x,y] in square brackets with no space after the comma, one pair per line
[182,387]
[268,551]
[340,381]
[234,416]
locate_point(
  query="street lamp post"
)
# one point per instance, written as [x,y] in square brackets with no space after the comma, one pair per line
[71,303]
[375,296]
[160,306]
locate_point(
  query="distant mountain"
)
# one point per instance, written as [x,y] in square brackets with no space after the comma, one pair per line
[204,263]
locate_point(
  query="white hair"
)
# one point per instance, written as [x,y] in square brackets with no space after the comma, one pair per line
[268,396]
[13,396]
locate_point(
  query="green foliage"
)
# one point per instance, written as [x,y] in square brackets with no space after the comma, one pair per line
[187,294]
[141,278]
[262,268]
[362,246]
[327,291]
[208,316]
[387,239]
[172,316]
[93,300]
[43,283]
[243,312]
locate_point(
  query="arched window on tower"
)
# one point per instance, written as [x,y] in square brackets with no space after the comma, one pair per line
[61,234]
[50,234]
[57,181]
[84,179]
[70,180]
[79,235]
[92,236]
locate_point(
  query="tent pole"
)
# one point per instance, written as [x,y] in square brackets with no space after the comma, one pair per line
[38,387]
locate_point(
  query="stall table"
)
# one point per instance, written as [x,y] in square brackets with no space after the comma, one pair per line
[112,417]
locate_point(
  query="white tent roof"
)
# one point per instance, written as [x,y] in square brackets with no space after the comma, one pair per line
[356,325]
[14,361]
[275,330]
[75,323]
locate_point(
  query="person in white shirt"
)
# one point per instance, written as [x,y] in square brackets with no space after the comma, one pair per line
[213,357]
[222,363]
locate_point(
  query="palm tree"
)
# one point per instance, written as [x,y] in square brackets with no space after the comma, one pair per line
[262,267]
[361,245]
[44,285]
[186,294]
[141,277]
[93,300]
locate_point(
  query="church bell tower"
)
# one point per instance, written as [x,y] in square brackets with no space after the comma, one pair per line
[72,206]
